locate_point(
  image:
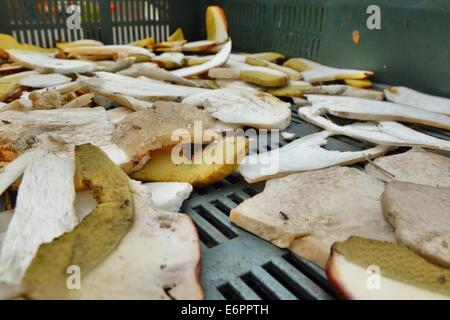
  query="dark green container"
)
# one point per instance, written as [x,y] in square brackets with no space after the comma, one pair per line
[412,48]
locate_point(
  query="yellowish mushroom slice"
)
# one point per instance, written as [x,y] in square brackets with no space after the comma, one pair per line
[209,165]
[178,35]
[359,83]
[219,59]
[314,72]
[293,74]
[265,77]
[364,269]
[170,60]
[293,89]
[79,43]
[144,131]
[120,50]
[94,238]
[216,24]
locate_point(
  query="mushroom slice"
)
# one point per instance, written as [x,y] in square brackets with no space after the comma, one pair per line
[170,60]
[291,158]
[5,219]
[45,63]
[79,43]
[44,211]
[200,46]
[293,75]
[152,71]
[421,217]
[367,269]
[314,72]
[361,83]
[256,109]
[58,130]
[207,165]
[416,166]
[167,196]
[370,110]
[219,59]
[116,115]
[383,133]
[304,211]
[14,170]
[417,99]
[348,91]
[216,24]
[110,85]
[44,80]
[80,102]
[94,238]
[145,131]
[110,50]
[158,259]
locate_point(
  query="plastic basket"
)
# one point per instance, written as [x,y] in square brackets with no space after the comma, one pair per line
[412,48]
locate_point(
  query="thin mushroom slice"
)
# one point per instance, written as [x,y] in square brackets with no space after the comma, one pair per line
[291,158]
[370,110]
[219,59]
[44,211]
[110,85]
[418,99]
[383,133]
[256,109]
[45,63]
[110,50]
[415,166]
[44,80]
[152,71]
[314,72]
[421,217]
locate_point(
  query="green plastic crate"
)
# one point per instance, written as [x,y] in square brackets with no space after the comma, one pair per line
[412,48]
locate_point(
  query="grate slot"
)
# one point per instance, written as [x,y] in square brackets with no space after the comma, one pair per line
[229,292]
[311,270]
[235,198]
[206,227]
[221,207]
[222,226]
[205,238]
[204,190]
[253,191]
[263,291]
[221,185]
[233,179]
[285,280]
[305,287]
